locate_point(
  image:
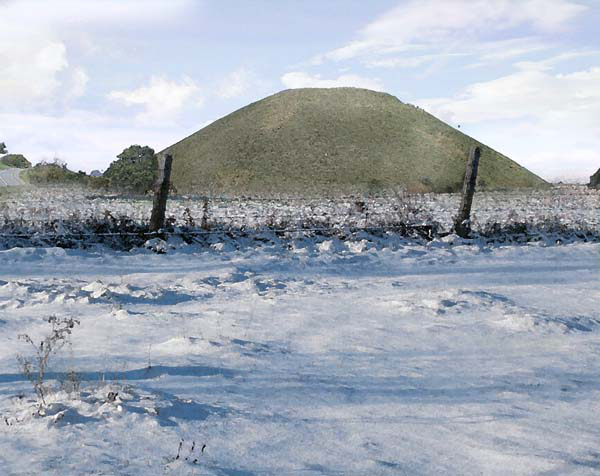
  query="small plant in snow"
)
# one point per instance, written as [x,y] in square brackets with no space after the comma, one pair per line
[205,215]
[194,453]
[188,219]
[34,368]
[71,384]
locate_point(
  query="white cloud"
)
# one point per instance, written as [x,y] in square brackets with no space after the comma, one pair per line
[551,151]
[57,14]
[431,19]
[549,63]
[450,26]
[45,136]
[162,99]
[482,52]
[530,93]
[205,123]
[78,83]
[567,162]
[303,80]
[36,37]
[506,49]
[30,71]
[550,119]
[42,48]
[236,83]
[400,61]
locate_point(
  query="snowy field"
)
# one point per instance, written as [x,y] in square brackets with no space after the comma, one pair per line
[309,357]
[416,360]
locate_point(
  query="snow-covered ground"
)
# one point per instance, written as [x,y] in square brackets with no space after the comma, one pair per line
[327,358]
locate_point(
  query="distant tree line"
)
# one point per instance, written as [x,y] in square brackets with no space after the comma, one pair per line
[133,171]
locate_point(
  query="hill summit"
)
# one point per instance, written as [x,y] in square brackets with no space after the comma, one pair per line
[336,140]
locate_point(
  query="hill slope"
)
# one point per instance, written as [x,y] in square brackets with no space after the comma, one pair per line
[333,140]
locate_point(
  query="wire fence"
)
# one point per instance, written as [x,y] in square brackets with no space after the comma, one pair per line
[63,217]
[424,229]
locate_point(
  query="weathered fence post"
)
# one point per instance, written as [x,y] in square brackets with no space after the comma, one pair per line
[462,225]
[161,192]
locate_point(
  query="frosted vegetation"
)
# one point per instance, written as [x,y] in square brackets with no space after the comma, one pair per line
[76,218]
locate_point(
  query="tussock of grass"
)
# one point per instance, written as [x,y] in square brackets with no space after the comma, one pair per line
[335,140]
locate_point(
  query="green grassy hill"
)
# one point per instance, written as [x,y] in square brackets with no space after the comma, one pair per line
[337,140]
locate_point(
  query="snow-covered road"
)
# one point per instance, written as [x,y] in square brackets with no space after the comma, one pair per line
[10,177]
[323,360]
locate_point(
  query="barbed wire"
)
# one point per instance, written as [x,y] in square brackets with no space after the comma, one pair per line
[374,214]
[397,212]
[250,231]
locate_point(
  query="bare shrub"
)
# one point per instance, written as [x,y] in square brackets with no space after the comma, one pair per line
[205,215]
[34,368]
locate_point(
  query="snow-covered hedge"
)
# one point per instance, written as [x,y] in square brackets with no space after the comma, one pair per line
[75,218]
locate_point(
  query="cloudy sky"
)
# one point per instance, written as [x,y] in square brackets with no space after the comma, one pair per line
[83,79]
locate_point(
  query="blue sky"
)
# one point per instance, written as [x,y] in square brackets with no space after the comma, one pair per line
[82,80]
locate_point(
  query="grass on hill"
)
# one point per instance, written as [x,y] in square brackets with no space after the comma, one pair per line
[334,140]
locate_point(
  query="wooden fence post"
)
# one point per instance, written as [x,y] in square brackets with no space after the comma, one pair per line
[462,225]
[161,192]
